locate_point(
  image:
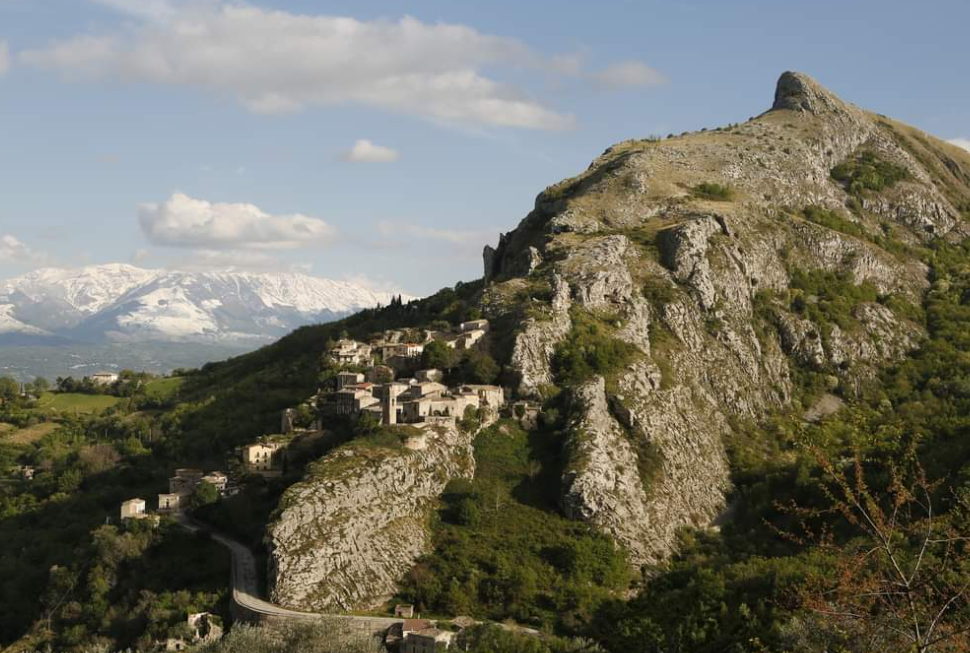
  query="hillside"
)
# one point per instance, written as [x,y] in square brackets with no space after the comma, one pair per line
[707,322]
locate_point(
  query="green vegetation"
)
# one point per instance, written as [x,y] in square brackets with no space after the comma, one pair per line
[316,636]
[164,389]
[743,588]
[502,550]
[885,239]
[868,172]
[589,350]
[827,298]
[69,402]
[713,191]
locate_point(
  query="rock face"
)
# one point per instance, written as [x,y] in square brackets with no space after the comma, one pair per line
[346,535]
[709,253]
[702,286]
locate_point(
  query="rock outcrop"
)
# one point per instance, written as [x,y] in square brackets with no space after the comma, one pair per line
[346,535]
[702,285]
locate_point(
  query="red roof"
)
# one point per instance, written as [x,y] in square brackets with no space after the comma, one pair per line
[411,625]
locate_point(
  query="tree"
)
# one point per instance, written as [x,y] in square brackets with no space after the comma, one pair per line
[9,389]
[479,367]
[205,494]
[438,355]
[901,580]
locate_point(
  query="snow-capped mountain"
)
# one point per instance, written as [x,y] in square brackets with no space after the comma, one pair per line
[123,303]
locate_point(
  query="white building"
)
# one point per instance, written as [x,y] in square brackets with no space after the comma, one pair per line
[103,378]
[169,502]
[132,509]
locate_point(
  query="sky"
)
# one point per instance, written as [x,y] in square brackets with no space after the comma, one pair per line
[387,142]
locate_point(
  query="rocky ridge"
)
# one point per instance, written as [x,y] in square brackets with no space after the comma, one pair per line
[703,287]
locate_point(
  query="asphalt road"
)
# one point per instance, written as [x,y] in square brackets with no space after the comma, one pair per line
[245,585]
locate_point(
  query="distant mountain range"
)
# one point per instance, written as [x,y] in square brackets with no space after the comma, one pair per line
[122,304]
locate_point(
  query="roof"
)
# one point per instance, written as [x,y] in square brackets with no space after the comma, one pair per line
[416,624]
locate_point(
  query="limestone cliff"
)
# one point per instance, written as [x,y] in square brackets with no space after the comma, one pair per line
[350,531]
[688,247]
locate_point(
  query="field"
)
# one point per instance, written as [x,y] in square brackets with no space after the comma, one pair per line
[69,402]
[12,435]
[164,388]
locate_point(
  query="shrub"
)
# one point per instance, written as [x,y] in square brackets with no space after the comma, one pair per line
[868,172]
[713,191]
[589,350]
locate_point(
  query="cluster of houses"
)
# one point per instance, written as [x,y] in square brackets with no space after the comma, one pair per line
[418,399]
[397,350]
[421,635]
[180,487]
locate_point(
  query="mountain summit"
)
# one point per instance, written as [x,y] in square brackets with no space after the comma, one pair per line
[750,266]
[123,303]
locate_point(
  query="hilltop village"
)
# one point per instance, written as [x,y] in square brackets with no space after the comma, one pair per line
[384,382]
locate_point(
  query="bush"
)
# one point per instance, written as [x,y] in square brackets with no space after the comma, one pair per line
[868,172]
[589,350]
[713,191]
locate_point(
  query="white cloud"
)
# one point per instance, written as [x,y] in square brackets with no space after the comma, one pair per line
[186,222]
[961,142]
[628,73]
[13,250]
[364,151]
[4,58]
[278,62]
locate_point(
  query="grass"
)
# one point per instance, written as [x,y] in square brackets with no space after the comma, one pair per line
[503,550]
[164,389]
[713,191]
[27,435]
[69,402]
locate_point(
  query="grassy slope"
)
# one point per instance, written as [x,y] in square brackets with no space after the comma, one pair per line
[70,402]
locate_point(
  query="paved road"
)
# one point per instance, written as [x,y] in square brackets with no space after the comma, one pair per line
[245,585]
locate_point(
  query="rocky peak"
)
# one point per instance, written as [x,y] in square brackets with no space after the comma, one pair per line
[799,92]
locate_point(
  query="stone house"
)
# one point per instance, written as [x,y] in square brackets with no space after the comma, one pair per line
[27,472]
[492,396]
[474,325]
[185,481]
[169,502]
[426,640]
[424,389]
[469,339]
[351,352]
[404,611]
[263,456]
[429,375]
[133,509]
[348,379]
[217,479]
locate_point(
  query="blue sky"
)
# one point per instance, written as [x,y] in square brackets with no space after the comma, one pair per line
[387,142]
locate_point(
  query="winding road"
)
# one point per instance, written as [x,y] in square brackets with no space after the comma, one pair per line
[244,581]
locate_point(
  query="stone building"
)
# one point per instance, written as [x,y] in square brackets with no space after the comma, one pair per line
[169,502]
[262,457]
[426,640]
[351,352]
